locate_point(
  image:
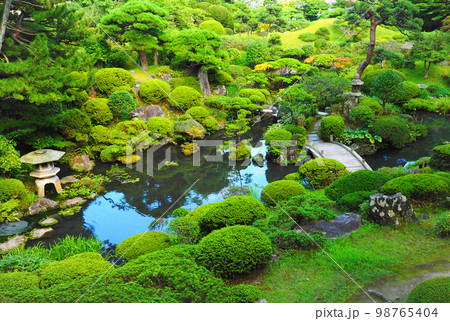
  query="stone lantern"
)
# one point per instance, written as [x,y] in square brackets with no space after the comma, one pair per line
[44,168]
[356,87]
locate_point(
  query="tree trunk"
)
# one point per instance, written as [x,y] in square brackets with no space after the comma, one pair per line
[371,46]
[268,29]
[144,62]
[382,64]
[204,82]
[427,69]
[240,30]
[4,21]
[155,57]
[248,32]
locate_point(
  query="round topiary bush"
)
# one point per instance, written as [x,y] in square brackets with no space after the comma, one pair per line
[431,291]
[277,138]
[107,79]
[234,250]
[98,111]
[198,113]
[393,131]
[121,104]
[292,177]
[73,268]
[11,188]
[213,25]
[184,97]
[75,124]
[281,191]
[440,158]
[362,115]
[235,71]
[363,180]
[211,124]
[307,37]
[257,53]
[352,201]
[411,90]
[321,172]
[154,91]
[247,93]
[160,126]
[442,225]
[131,127]
[111,153]
[18,281]
[143,243]
[331,125]
[418,187]
[372,104]
[236,210]
[308,50]
[369,77]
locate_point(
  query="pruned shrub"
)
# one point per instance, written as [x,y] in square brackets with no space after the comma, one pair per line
[234,250]
[362,115]
[154,91]
[131,127]
[292,177]
[431,291]
[323,32]
[98,111]
[213,25]
[236,210]
[72,268]
[420,104]
[309,207]
[211,124]
[107,79]
[160,127]
[257,53]
[372,104]
[393,131]
[280,191]
[112,153]
[418,187]
[121,104]
[192,82]
[17,281]
[276,139]
[411,90]
[363,180]
[321,172]
[235,71]
[11,188]
[247,93]
[369,77]
[75,124]
[442,225]
[221,77]
[308,50]
[352,201]
[141,244]
[307,37]
[198,113]
[440,158]
[331,125]
[184,97]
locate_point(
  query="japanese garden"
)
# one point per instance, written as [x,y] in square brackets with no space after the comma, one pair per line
[228,151]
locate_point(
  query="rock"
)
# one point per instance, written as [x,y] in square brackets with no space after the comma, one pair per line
[221,90]
[364,149]
[340,226]
[391,210]
[12,228]
[12,243]
[204,82]
[422,86]
[166,77]
[153,75]
[81,163]
[292,151]
[68,180]
[258,159]
[132,72]
[443,63]
[73,202]
[261,301]
[234,191]
[48,221]
[40,233]
[146,112]
[42,205]
[424,217]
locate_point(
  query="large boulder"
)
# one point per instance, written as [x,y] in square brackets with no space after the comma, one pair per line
[68,180]
[166,77]
[12,228]
[73,202]
[12,243]
[340,226]
[81,163]
[391,210]
[147,112]
[42,205]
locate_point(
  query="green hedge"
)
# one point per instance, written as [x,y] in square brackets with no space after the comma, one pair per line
[431,291]
[98,111]
[213,25]
[17,281]
[160,126]
[154,91]
[331,125]
[362,115]
[372,104]
[419,187]
[280,191]
[369,77]
[236,210]
[141,244]
[393,131]
[11,188]
[184,97]
[322,172]
[440,158]
[75,124]
[234,250]
[352,201]
[442,225]
[107,79]
[363,180]
[121,104]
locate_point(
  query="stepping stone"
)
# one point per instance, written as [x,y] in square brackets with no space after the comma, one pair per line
[68,180]
[48,222]
[12,243]
[12,228]
[42,205]
[39,233]
[73,202]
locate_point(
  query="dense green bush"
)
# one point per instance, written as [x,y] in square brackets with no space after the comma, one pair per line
[295,53]
[295,130]
[98,111]
[321,172]
[107,79]
[72,268]
[211,124]
[411,90]
[244,293]
[184,97]
[221,77]
[372,104]
[431,291]
[331,125]
[362,115]
[186,81]
[277,138]
[247,93]
[257,53]
[323,32]
[393,131]
[75,124]
[420,104]
[17,281]
[292,177]
[111,153]
[280,191]
[307,37]
[198,113]
[320,44]
[11,188]
[213,25]
[437,91]
[141,244]
[440,158]
[131,127]
[236,210]
[160,126]
[234,250]
[309,207]
[308,50]
[154,91]
[442,225]
[235,71]
[369,77]
[419,187]
[363,180]
[185,230]
[121,104]
[352,201]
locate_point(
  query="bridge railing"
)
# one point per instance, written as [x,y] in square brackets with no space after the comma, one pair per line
[355,154]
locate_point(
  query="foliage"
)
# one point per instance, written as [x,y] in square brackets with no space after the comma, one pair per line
[198,113]
[160,127]
[221,14]
[308,50]
[371,103]
[98,111]
[282,190]
[9,156]
[393,131]
[362,115]
[213,25]
[274,40]
[235,210]
[352,201]
[185,81]
[323,32]
[431,291]
[72,268]
[85,187]
[331,125]
[185,230]
[107,79]
[389,87]
[234,250]
[321,172]
[276,139]
[184,97]
[121,104]
[154,91]
[18,281]
[363,180]
[411,90]
[320,44]
[141,244]
[442,225]
[420,104]
[211,124]
[240,125]
[221,77]
[307,37]
[12,188]
[418,187]
[369,77]
[328,86]
[309,207]
[131,127]
[297,104]
[440,158]
[112,153]
[75,124]
[257,53]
